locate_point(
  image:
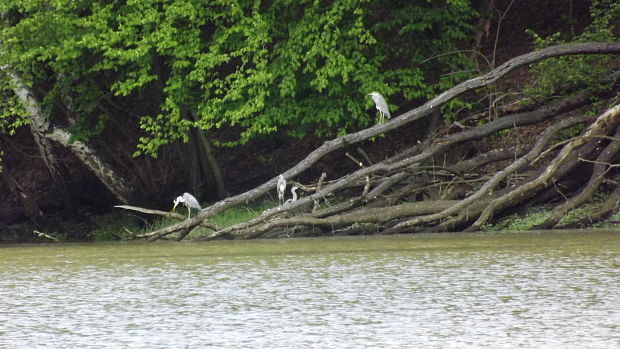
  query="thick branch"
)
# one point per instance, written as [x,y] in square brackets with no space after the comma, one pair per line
[601,167]
[610,117]
[366,215]
[42,127]
[494,181]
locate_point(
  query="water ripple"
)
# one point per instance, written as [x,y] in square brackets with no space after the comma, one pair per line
[402,292]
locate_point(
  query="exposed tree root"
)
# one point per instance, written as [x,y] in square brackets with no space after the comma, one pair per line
[602,166]
[608,121]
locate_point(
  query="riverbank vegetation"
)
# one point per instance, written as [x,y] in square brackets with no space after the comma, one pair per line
[133,103]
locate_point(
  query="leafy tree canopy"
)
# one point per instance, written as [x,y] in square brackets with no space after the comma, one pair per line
[256,66]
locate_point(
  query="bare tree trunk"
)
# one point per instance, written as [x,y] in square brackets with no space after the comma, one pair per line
[214,166]
[44,130]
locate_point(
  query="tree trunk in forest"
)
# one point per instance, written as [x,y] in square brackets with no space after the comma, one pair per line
[206,157]
[44,130]
[216,170]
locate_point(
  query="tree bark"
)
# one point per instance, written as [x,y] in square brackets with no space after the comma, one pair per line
[42,128]
[490,185]
[601,167]
[609,119]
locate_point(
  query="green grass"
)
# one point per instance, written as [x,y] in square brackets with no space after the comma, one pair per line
[538,215]
[231,216]
[236,215]
[517,222]
[112,226]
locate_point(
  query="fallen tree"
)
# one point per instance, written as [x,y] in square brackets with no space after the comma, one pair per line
[376,198]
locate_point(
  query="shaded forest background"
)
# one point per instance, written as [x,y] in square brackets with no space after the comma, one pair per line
[278,81]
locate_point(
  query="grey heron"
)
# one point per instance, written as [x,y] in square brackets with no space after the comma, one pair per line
[189,201]
[281,187]
[294,192]
[381,105]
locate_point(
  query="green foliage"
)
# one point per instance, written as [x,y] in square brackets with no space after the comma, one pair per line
[580,71]
[517,222]
[258,67]
[236,215]
[12,112]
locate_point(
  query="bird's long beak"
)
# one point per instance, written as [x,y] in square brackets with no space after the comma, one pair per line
[175,205]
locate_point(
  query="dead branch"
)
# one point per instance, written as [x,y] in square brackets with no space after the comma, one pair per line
[166,214]
[494,155]
[601,167]
[375,215]
[494,181]
[607,120]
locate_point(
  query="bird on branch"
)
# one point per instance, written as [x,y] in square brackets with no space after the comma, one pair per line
[380,104]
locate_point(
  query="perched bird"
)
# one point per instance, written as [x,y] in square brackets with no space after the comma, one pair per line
[294,192]
[381,105]
[281,187]
[189,201]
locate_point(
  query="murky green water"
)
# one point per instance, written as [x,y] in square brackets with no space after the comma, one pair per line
[439,291]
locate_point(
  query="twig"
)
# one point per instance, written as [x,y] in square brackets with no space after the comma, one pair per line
[356,161]
[560,144]
[365,155]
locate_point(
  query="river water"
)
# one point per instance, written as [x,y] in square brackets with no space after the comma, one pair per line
[427,291]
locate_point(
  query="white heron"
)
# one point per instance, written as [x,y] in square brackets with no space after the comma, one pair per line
[294,192]
[281,187]
[189,201]
[381,105]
